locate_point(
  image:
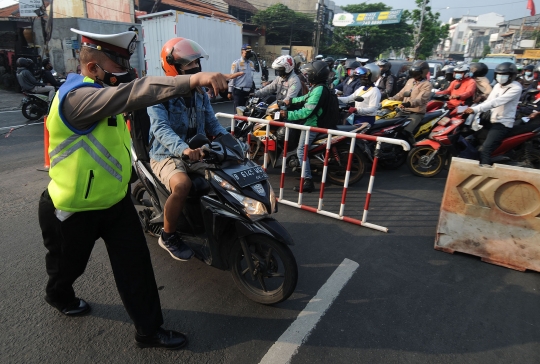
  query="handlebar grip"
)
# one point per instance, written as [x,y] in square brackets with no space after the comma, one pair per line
[185,158]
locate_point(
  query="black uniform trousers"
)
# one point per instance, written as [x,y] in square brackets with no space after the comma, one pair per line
[69,244]
[240,98]
[496,134]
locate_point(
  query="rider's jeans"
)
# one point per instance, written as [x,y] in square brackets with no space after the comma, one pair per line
[43,89]
[300,150]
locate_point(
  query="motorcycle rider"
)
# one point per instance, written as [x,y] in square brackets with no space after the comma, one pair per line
[364,111]
[483,88]
[172,124]
[351,83]
[47,75]
[332,75]
[387,81]
[502,102]
[415,94]
[311,109]
[527,80]
[286,85]
[448,77]
[27,80]
[462,89]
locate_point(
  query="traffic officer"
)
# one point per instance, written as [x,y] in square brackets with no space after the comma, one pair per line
[239,88]
[89,196]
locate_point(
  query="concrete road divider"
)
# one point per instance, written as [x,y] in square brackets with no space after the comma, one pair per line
[493,213]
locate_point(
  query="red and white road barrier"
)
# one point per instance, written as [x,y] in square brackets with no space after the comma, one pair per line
[331,133]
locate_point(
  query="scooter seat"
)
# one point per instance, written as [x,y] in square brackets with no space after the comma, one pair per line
[346,127]
[431,115]
[199,185]
[382,123]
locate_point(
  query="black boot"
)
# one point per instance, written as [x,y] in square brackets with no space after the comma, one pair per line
[309,186]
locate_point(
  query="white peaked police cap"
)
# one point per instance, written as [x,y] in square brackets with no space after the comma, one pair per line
[118,47]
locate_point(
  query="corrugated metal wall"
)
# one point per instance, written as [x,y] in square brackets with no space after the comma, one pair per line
[221,40]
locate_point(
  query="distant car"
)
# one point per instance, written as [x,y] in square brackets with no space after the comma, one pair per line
[498,58]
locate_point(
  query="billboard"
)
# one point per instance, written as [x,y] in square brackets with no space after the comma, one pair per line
[27,8]
[364,19]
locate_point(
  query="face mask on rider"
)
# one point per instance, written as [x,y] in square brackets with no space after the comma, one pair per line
[192,71]
[114,79]
[502,79]
[528,73]
[458,76]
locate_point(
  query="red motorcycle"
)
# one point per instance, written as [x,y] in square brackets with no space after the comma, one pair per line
[452,137]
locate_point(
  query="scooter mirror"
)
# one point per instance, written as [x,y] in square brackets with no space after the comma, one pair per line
[198,141]
[358,99]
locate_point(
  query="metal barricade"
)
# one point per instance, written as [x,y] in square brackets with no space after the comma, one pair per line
[331,133]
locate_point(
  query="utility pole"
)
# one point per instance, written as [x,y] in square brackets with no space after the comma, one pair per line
[417,40]
[319,19]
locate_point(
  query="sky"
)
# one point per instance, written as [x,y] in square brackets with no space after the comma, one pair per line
[510,9]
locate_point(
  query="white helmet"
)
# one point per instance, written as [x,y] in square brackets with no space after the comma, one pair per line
[319,57]
[284,62]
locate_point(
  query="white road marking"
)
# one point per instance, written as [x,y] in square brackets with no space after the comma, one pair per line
[18,110]
[287,345]
[16,126]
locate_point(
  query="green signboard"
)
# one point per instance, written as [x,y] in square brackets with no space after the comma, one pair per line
[364,19]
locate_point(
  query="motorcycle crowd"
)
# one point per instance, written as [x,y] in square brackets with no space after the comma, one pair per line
[457,112]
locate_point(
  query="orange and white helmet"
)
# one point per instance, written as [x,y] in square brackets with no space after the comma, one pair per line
[285,63]
[180,52]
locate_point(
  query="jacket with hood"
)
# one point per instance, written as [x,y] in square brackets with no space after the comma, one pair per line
[26,79]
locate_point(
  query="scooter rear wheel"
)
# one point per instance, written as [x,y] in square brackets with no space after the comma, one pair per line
[32,111]
[418,164]
[337,171]
[276,270]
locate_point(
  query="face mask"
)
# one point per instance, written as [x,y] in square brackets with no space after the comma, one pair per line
[528,73]
[470,74]
[280,73]
[114,79]
[192,71]
[248,55]
[458,76]
[502,79]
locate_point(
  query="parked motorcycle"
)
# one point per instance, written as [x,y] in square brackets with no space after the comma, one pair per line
[226,218]
[34,106]
[431,155]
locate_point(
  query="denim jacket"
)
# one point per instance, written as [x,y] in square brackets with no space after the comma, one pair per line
[169,129]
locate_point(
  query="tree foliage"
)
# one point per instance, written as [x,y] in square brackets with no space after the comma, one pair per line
[431,33]
[376,39]
[280,22]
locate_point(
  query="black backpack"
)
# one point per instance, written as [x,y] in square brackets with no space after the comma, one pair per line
[329,118]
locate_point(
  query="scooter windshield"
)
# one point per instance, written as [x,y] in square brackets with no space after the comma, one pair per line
[233,146]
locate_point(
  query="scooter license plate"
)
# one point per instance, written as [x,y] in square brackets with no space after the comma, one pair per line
[249,176]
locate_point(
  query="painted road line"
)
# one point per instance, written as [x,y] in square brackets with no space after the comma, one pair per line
[18,110]
[16,126]
[287,345]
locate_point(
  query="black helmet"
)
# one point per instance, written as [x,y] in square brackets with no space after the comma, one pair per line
[25,62]
[448,70]
[479,69]
[45,61]
[384,64]
[529,67]
[329,61]
[352,64]
[506,68]
[316,72]
[419,68]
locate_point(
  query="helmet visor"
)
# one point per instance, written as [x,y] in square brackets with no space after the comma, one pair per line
[186,51]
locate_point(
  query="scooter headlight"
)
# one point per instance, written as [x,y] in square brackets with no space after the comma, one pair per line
[253,208]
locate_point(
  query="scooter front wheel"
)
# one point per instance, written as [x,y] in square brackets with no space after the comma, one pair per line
[275,271]
[423,163]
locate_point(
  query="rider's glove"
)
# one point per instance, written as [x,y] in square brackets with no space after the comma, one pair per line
[406,104]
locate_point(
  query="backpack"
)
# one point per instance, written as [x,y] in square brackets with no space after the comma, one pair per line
[330,116]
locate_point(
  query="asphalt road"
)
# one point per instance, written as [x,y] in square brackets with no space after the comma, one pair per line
[405,303]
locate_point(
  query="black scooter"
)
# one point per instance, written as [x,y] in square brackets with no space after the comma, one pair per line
[34,106]
[226,218]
